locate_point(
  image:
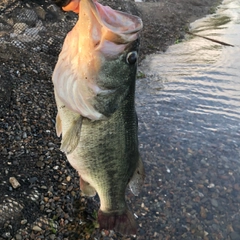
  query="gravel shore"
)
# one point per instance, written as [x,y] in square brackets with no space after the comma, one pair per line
[40,197]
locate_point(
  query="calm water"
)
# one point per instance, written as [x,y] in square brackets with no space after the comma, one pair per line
[189,117]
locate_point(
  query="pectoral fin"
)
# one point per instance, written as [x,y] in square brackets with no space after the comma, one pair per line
[137,179]
[71,138]
[58,125]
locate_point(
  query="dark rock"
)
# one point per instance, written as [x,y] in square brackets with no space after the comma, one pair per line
[234,236]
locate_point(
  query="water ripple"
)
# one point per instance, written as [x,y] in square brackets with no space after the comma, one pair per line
[194,88]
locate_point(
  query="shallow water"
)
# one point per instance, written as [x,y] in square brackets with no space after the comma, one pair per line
[189,127]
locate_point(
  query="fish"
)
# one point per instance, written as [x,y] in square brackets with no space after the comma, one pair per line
[94,85]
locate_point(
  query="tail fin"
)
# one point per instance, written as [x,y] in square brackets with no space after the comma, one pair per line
[123,223]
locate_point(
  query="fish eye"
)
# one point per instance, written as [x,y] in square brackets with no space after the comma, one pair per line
[131,57]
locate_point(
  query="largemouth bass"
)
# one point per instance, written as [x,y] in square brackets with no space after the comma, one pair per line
[94,85]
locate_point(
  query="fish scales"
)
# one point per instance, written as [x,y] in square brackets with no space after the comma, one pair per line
[94,86]
[112,147]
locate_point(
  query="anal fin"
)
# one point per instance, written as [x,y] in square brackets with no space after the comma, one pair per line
[71,138]
[137,179]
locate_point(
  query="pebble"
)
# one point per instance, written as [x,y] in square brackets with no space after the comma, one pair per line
[203,212]
[40,12]
[52,236]
[24,135]
[6,235]
[40,164]
[18,237]
[36,228]
[68,178]
[24,221]
[234,236]
[205,233]
[214,203]
[14,182]
[211,185]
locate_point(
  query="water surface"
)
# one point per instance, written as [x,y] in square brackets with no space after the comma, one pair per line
[189,120]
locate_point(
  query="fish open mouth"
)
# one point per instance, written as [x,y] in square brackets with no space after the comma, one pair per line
[100,35]
[102,23]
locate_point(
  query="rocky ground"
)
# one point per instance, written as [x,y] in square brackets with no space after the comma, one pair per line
[46,203]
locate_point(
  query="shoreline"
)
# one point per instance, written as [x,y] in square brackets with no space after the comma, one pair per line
[44,204]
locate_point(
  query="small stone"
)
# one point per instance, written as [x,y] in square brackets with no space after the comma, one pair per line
[68,178]
[36,228]
[211,185]
[14,182]
[215,227]
[40,164]
[230,228]
[214,203]
[52,236]
[236,187]
[203,162]
[50,144]
[73,193]
[200,194]
[205,233]
[209,216]
[33,180]
[24,221]
[203,212]
[6,235]
[18,237]
[40,12]
[53,8]
[234,236]
[24,135]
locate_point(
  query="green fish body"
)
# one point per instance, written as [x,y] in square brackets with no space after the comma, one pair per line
[94,84]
